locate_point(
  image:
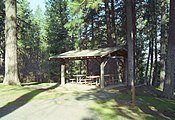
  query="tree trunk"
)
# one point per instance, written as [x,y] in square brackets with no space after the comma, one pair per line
[111,67]
[86,36]
[146,82]
[147,65]
[168,90]
[108,26]
[151,64]
[113,21]
[130,43]
[92,27]
[134,38]
[11,70]
[151,35]
[155,77]
[162,43]
[130,48]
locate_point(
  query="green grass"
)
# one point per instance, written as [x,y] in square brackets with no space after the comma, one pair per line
[26,93]
[31,91]
[148,107]
[108,111]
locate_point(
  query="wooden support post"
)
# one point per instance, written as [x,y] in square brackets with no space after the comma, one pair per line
[63,67]
[125,71]
[102,81]
[87,67]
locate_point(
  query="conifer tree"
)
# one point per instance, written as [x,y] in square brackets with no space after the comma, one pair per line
[11,69]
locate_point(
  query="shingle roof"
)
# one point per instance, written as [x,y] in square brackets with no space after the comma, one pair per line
[86,54]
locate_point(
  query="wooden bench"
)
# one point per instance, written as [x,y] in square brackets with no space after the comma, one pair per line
[94,80]
[73,80]
[85,80]
[92,83]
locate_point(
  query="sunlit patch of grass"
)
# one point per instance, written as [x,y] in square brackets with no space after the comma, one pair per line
[149,98]
[32,91]
[105,109]
[151,117]
[158,103]
[29,92]
[147,107]
[10,93]
[45,95]
[111,110]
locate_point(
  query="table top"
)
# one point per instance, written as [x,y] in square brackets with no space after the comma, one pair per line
[96,76]
[108,75]
[79,75]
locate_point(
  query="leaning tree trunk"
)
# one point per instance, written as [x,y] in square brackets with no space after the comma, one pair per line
[11,70]
[168,90]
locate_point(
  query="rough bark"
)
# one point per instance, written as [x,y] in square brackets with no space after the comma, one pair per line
[130,43]
[11,70]
[134,38]
[130,48]
[162,43]
[155,76]
[147,66]
[168,90]
[151,63]
[152,36]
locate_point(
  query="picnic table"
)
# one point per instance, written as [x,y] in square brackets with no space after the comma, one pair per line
[94,79]
[79,77]
[83,79]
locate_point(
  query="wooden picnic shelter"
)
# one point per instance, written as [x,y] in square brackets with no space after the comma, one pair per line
[101,55]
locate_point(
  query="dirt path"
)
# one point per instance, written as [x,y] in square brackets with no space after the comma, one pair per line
[66,107]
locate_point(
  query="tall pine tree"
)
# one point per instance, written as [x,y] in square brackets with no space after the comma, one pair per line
[11,69]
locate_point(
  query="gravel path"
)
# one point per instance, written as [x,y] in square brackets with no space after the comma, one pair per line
[66,107]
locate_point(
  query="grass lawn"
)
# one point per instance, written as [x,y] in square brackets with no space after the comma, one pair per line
[109,105]
[27,92]
[149,106]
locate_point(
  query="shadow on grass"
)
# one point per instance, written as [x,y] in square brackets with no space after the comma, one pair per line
[149,104]
[32,83]
[19,102]
[154,104]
